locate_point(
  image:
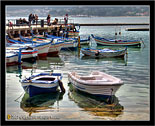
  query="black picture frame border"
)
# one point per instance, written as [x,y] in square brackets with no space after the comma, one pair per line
[5,3]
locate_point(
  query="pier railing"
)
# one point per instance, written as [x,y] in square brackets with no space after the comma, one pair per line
[41,22]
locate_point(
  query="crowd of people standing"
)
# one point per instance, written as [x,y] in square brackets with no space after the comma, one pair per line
[33,18]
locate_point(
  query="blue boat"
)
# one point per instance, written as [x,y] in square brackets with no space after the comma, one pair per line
[41,83]
[101,53]
[83,41]
[113,42]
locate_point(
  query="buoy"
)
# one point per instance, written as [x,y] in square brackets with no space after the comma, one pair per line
[79,45]
[61,86]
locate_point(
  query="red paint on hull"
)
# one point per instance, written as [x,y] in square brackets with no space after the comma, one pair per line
[29,52]
[13,63]
[42,55]
[53,53]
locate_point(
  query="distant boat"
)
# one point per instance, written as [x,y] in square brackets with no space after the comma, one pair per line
[27,53]
[103,52]
[54,48]
[83,41]
[97,83]
[41,83]
[68,44]
[31,39]
[42,47]
[112,42]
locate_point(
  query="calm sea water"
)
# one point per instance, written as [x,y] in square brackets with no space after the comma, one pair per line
[131,101]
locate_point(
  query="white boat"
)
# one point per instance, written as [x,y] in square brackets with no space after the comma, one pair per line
[41,47]
[70,45]
[55,48]
[11,59]
[97,83]
[26,53]
[103,52]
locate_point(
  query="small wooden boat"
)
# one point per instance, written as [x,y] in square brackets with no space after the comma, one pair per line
[67,44]
[54,48]
[41,83]
[70,45]
[41,47]
[97,83]
[103,52]
[83,41]
[31,39]
[11,59]
[27,53]
[110,42]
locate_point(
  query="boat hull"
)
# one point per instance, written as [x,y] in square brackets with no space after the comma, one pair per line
[33,90]
[106,42]
[41,83]
[43,49]
[55,49]
[94,89]
[11,60]
[70,46]
[102,54]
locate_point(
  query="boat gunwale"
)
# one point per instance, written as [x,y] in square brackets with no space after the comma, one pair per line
[80,81]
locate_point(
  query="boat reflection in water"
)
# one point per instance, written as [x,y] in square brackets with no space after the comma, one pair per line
[40,103]
[50,62]
[121,60]
[97,106]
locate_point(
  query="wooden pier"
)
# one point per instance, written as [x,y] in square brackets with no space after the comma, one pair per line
[25,29]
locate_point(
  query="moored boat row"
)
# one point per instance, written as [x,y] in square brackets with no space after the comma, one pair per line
[97,83]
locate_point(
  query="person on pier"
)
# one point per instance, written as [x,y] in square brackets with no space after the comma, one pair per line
[33,18]
[48,20]
[30,19]
[66,19]
[36,18]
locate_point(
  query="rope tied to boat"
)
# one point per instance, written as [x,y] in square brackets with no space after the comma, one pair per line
[61,85]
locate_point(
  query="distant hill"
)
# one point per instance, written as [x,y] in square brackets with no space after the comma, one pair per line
[79,11]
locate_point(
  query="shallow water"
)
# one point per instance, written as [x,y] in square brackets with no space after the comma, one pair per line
[131,101]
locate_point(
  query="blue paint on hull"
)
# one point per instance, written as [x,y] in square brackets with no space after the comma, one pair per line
[69,48]
[33,90]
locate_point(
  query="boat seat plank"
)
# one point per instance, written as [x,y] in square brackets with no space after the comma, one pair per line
[87,78]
